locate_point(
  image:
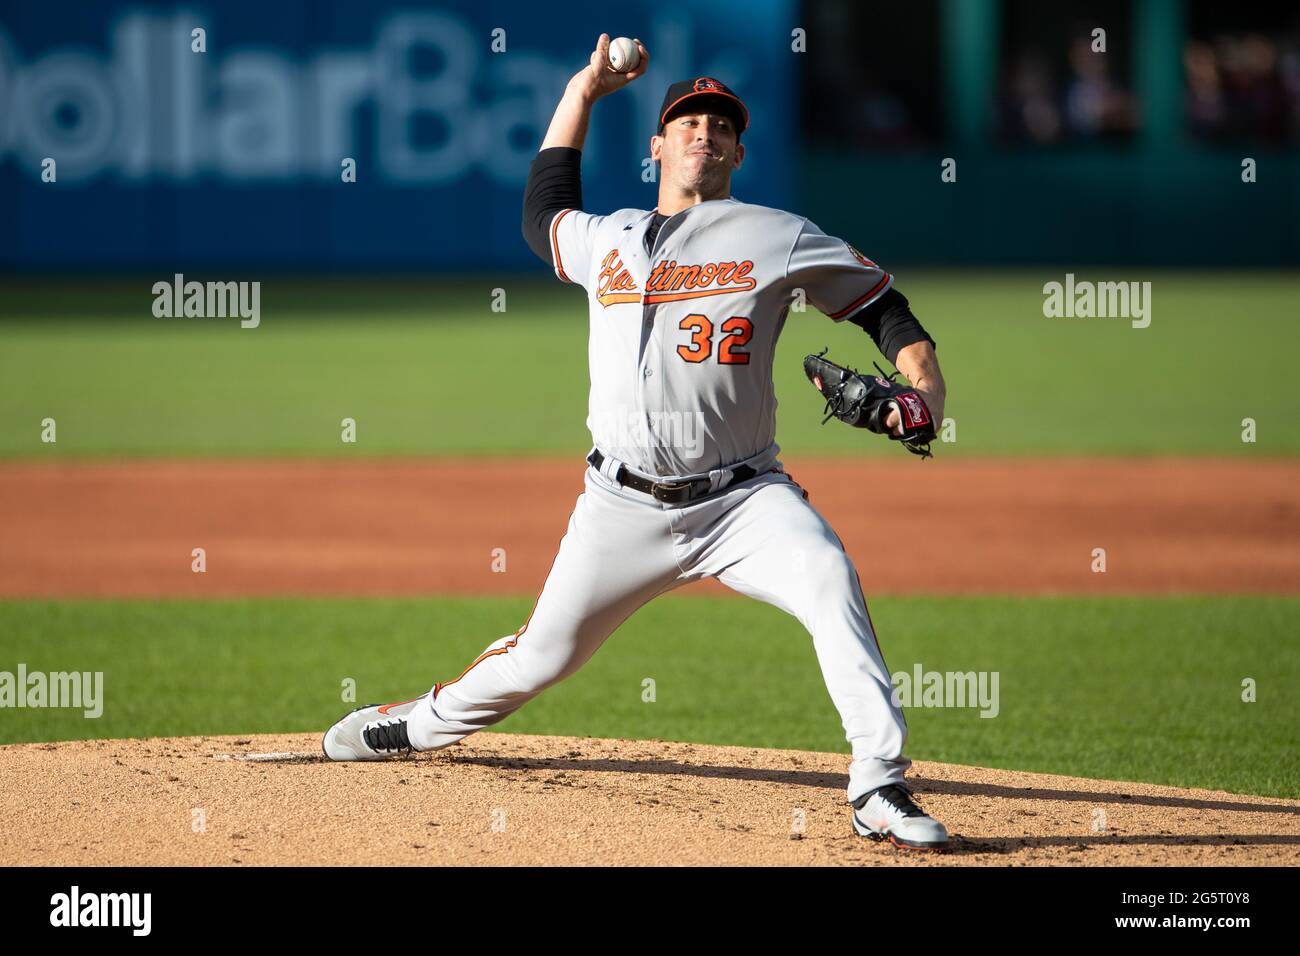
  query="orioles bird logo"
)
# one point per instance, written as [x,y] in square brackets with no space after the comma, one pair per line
[861,258]
[707,83]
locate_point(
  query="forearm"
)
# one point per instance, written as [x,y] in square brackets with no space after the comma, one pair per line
[573,115]
[569,124]
[890,323]
[555,177]
[920,366]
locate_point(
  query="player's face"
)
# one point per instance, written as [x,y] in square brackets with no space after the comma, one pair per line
[698,152]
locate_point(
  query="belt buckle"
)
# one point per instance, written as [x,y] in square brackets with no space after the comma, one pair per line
[668,491]
[675,492]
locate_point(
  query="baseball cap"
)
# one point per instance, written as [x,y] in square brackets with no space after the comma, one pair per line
[703,93]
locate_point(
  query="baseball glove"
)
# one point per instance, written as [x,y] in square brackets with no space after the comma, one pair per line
[864,402]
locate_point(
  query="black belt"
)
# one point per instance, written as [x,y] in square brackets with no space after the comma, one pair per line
[669,492]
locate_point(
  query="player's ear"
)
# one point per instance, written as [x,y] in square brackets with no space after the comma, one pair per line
[656,144]
[740,155]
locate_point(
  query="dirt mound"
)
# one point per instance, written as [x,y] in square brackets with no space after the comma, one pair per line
[516,799]
[393,527]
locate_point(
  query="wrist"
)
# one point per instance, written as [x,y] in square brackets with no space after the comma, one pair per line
[931,385]
[934,397]
[581,91]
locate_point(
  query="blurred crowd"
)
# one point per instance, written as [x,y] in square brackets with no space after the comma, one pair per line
[1085,101]
[1241,76]
[884,100]
[1239,88]
[1243,87]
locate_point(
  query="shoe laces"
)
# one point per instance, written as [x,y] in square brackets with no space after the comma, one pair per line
[897,797]
[387,736]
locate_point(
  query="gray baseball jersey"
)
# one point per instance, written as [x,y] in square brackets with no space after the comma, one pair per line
[682,339]
[681,349]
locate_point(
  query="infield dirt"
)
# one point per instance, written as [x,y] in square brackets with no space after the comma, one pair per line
[402,527]
[517,799]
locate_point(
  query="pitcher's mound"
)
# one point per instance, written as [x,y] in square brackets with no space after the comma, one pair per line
[516,799]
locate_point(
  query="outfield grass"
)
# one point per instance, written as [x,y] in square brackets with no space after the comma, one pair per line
[428,368]
[1130,689]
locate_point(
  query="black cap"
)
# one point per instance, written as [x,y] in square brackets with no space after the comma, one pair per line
[705,94]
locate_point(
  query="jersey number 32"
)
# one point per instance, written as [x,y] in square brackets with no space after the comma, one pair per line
[736,333]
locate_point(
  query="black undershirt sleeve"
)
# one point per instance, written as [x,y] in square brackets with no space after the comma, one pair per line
[554,183]
[890,323]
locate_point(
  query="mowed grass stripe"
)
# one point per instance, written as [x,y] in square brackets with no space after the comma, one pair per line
[429,368]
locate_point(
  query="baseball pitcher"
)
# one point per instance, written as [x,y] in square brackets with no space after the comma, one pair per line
[685,303]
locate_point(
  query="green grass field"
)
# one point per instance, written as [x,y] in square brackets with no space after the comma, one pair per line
[1126,689]
[429,368]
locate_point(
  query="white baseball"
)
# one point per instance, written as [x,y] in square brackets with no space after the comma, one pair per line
[623,55]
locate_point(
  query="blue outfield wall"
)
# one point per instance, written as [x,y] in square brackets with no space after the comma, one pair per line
[176,161]
[173,160]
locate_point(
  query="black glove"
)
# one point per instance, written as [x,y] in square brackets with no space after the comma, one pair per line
[864,402]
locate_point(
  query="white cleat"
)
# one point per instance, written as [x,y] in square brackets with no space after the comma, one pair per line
[888,813]
[373,732]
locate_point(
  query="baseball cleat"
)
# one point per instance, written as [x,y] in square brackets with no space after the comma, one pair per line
[889,813]
[373,732]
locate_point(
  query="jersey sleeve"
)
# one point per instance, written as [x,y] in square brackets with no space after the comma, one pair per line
[573,235]
[836,278]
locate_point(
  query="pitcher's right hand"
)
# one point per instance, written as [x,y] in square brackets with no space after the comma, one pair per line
[599,79]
